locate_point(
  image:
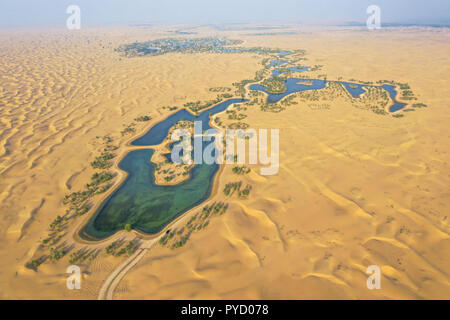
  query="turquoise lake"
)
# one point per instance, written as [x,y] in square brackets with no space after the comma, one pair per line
[140,202]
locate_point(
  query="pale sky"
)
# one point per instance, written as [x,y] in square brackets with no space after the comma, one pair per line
[52,13]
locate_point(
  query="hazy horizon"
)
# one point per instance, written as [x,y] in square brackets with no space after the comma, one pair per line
[51,13]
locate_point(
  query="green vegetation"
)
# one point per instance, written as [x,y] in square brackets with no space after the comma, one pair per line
[53,238]
[143,118]
[112,248]
[405,90]
[272,107]
[233,115]
[178,238]
[56,254]
[289,100]
[407,93]
[116,248]
[128,129]
[99,178]
[78,203]
[238,125]
[171,108]
[232,187]
[82,255]
[219,89]
[316,67]
[241,170]
[274,85]
[166,45]
[259,75]
[403,86]
[34,264]
[56,224]
[197,106]
[102,161]
[246,191]
[376,99]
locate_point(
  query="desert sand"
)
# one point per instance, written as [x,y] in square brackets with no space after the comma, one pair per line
[354,188]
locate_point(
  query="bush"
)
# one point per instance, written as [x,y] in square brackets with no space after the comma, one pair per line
[143,118]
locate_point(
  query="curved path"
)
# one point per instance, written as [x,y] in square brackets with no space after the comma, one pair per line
[107,290]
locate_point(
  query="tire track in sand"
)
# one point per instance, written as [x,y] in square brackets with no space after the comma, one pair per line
[107,290]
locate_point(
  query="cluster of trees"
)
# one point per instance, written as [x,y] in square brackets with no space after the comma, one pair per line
[289,100]
[78,202]
[274,85]
[316,67]
[34,264]
[117,249]
[218,122]
[198,105]
[171,108]
[52,238]
[181,242]
[233,115]
[232,187]
[246,191]
[169,178]
[178,238]
[103,161]
[406,92]
[82,255]
[99,178]
[57,253]
[408,95]
[219,89]
[241,169]
[57,223]
[112,248]
[128,129]
[238,125]
[375,99]
[166,45]
[259,75]
[272,107]
[183,124]
[143,118]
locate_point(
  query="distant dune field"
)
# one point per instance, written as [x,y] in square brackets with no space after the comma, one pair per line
[354,188]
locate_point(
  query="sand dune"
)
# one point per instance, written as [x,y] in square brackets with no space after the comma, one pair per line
[354,188]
